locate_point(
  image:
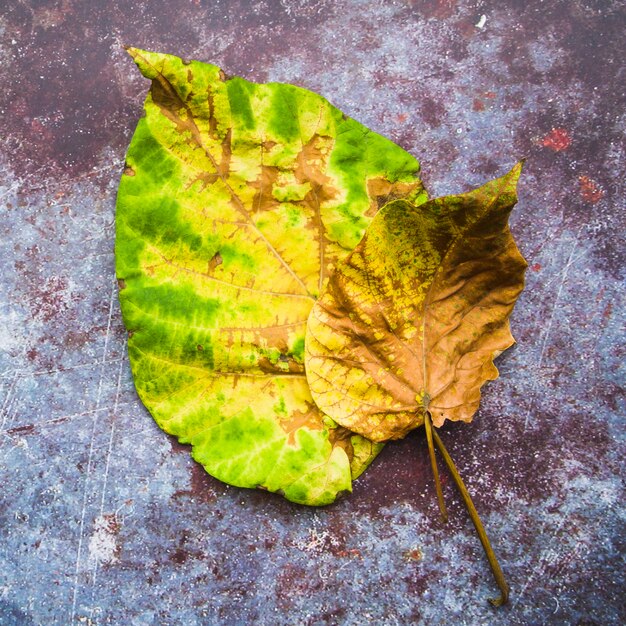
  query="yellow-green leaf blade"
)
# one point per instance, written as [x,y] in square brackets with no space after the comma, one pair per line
[412,319]
[237,201]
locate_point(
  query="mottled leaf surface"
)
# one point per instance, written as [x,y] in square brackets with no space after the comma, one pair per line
[412,319]
[237,202]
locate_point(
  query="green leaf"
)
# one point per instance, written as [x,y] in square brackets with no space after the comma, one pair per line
[237,202]
[412,319]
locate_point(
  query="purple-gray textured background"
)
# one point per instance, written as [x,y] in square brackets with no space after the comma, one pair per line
[105,520]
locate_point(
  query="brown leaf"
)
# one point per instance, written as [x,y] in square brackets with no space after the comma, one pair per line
[412,319]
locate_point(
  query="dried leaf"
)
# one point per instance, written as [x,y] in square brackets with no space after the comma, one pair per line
[237,201]
[411,320]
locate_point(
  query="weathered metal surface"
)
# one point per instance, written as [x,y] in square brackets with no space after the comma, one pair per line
[106,520]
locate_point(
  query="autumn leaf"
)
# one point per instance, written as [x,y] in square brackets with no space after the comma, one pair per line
[237,202]
[412,319]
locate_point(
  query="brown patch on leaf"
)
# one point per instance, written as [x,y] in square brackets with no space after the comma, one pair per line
[222,166]
[165,96]
[311,166]
[263,199]
[268,367]
[298,419]
[267,337]
[215,261]
[381,191]
[342,437]
[212,119]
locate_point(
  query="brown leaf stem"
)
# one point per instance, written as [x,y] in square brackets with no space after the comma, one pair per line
[433,463]
[482,535]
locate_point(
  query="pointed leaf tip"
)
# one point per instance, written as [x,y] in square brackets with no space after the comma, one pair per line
[511,177]
[516,170]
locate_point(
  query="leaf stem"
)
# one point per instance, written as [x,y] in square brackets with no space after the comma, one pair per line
[482,535]
[433,463]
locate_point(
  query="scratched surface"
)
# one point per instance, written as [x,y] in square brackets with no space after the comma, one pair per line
[106,520]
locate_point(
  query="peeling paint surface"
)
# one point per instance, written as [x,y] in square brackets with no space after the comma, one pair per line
[106,520]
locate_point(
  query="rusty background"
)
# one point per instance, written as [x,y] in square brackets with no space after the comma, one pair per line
[106,520]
